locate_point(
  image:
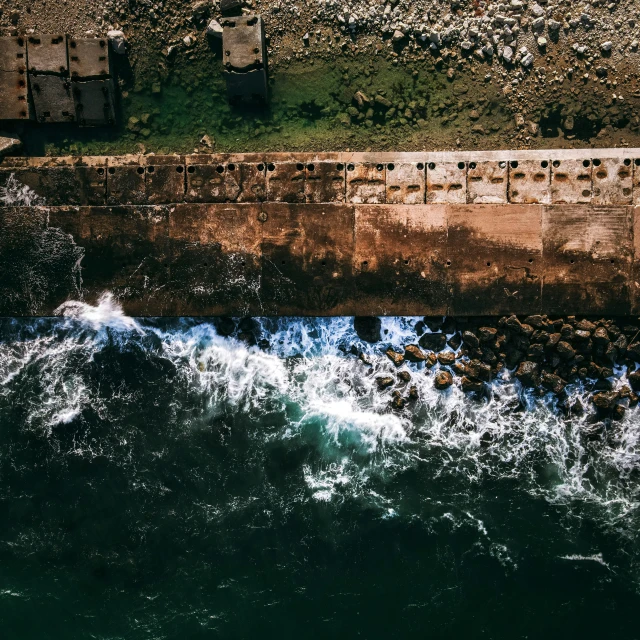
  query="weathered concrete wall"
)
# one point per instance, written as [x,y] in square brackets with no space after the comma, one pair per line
[302,235]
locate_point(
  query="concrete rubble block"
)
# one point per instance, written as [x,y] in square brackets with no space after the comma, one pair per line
[126,252]
[94,102]
[612,180]
[487,182]
[14,96]
[9,145]
[253,181]
[212,179]
[571,181]
[447,182]
[48,54]
[366,183]
[635,270]
[243,43]
[325,181]
[399,260]
[216,259]
[126,180]
[89,58]
[165,178]
[588,252]
[286,182]
[52,98]
[494,259]
[307,253]
[405,183]
[64,181]
[248,86]
[530,181]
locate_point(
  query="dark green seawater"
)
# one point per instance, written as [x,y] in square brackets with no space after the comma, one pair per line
[160,481]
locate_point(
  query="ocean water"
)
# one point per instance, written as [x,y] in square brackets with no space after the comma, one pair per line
[158,480]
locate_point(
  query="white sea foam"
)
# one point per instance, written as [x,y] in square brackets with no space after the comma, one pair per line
[107,313]
[16,194]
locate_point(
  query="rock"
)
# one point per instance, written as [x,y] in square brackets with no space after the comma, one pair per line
[469,385]
[634,380]
[601,337]
[474,114]
[398,36]
[527,60]
[542,42]
[384,382]
[470,339]
[586,325]
[478,370]
[395,357]
[552,382]
[487,334]
[433,341]
[413,393]
[413,353]
[566,351]
[554,26]
[537,25]
[606,46]
[605,399]
[231,7]
[367,328]
[446,358]
[633,351]
[9,145]
[398,402]
[383,102]
[431,360]
[118,41]
[528,373]
[443,380]
[361,99]
[225,326]
[404,376]
[214,29]
[188,40]
[507,54]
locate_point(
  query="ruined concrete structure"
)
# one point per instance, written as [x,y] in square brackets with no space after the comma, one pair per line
[473,233]
[70,79]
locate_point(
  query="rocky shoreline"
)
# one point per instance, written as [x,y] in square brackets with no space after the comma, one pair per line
[544,354]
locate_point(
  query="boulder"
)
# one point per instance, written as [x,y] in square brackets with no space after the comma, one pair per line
[433,341]
[469,385]
[443,380]
[214,29]
[395,357]
[413,353]
[528,373]
[367,328]
[9,145]
[470,339]
[566,351]
[384,382]
[446,358]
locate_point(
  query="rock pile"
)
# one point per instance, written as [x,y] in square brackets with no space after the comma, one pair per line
[544,354]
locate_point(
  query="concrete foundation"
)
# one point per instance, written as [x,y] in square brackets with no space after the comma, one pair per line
[331,234]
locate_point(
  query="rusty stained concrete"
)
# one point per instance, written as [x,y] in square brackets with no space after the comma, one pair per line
[195,259]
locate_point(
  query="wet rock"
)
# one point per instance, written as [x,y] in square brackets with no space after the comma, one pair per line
[118,41]
[384,382]
[395,357]
[404,376]
[487,334]
[398,402]
[455,341]
[413,393]
[586,325]
[633,351]
[9,145]
[605,399]
[469,385]
[433,341]
[443,380]
[634,380]
[225,326]
[601,337]
[431,360]
[367,328]
[413,353]
[470,339]
[553,382]
[528,373]
[478,370]
[565,350]
[446,358]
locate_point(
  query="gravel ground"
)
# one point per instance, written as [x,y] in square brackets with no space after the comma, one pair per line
[584,57]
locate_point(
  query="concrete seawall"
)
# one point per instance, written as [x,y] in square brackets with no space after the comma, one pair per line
[473,233]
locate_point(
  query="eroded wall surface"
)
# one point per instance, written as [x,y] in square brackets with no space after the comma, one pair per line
[476,233]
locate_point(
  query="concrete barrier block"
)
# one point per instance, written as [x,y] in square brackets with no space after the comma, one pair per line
[48,53]
[14,96]
[89,58]
[487,182]
[636,181]
[571,181]
[126,180]
[366,183]
[52,98]
[635,268]
[447,182]
[494,259]
[94,102]
[405,182]
[325,181]
[216,259]
[13,54]
[587,251]
[307,253]
[165,179]
[286,182]
[399,260]
[612,180]
[253,182]
[211,179]
[530,181]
